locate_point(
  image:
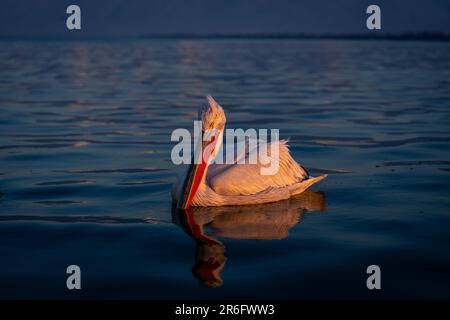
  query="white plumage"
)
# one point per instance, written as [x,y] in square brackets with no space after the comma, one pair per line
[243,183]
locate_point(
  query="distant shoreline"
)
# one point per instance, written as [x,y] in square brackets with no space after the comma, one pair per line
[423,36]
[412,36]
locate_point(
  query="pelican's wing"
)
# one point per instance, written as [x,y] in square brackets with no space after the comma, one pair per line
[246,179]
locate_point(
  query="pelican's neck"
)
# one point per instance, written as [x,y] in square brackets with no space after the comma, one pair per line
[212,142]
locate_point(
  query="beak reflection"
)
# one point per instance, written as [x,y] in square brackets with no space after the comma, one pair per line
[258,222]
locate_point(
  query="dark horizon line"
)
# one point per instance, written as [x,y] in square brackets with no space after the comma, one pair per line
[376,35]
[345,36]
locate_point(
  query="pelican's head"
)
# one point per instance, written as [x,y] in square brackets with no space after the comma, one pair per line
[213,124]
[212,115]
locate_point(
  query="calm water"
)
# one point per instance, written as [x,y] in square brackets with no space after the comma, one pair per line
[85,170]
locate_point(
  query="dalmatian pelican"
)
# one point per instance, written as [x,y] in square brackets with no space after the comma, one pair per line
[240,182]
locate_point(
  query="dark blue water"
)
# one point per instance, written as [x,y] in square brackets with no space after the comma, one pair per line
[85,170]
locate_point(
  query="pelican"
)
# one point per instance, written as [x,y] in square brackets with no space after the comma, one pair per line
[239,183]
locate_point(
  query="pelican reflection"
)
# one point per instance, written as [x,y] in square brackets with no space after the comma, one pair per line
[260,222]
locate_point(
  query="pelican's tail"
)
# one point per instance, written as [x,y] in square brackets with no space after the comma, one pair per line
[299,187]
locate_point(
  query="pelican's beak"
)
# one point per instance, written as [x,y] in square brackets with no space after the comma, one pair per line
[197,170]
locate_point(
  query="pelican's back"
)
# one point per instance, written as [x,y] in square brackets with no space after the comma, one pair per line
[246,179]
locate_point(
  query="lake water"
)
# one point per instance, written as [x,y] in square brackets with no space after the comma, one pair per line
[85,169]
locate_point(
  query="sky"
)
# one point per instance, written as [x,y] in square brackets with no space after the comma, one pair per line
[136,17]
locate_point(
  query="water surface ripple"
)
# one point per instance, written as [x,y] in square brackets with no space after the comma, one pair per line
[85,170]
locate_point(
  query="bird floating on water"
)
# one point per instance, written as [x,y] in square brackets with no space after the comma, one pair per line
[238,183]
